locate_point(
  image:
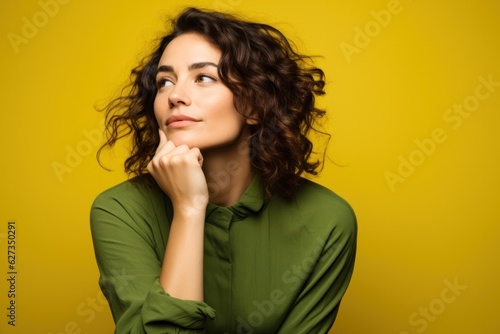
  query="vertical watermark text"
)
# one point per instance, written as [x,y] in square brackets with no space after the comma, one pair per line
[11,273]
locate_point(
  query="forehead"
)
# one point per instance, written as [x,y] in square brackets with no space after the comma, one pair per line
[189,48]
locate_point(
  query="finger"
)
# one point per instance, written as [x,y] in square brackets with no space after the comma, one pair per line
[169,154]
[163,140]
[163,137]
[178,150]
[196,153]
[180,156]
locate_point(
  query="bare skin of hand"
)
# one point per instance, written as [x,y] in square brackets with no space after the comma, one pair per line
[177,170]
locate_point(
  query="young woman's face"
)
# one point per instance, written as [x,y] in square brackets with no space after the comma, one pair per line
[192,106]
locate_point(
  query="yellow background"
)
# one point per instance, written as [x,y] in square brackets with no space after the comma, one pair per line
[438,227]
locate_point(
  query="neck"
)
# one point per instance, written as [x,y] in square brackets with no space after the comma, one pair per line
[228,172]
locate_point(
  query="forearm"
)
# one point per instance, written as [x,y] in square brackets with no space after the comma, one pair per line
[182,270]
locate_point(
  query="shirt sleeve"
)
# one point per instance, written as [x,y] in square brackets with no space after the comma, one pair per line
[130,267]
[316,306]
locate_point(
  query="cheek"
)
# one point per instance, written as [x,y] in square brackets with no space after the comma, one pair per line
[226,106]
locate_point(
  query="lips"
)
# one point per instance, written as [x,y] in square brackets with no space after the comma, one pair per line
[177,121]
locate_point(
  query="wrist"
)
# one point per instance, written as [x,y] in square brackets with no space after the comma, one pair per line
[189,212]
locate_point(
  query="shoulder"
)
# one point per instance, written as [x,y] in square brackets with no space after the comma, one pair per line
[313,196]
[321,208]
[138,193]
[134,188]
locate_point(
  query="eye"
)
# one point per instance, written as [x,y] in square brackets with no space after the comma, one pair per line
[163,82]
[203,78]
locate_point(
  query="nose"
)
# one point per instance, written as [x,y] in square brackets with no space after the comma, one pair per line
[179,95]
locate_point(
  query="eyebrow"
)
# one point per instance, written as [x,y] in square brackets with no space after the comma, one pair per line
[194,66]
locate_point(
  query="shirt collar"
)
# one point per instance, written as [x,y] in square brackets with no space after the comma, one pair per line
[252,201]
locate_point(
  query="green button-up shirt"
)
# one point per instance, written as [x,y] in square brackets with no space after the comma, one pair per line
[270,266]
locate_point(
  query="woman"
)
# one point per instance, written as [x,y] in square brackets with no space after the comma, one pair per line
[218,232]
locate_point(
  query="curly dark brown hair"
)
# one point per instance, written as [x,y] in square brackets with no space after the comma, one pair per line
[273,86]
